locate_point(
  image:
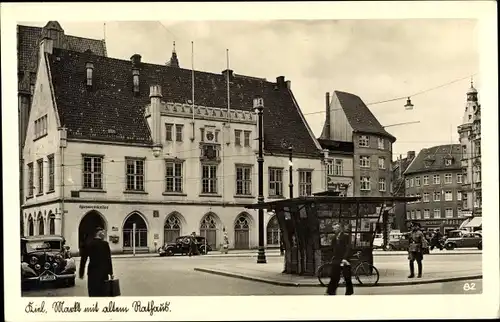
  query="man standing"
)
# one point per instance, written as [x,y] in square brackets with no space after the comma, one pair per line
[415,249]
[341,252]
[100,266]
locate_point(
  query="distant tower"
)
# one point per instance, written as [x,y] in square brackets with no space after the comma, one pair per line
[174,62]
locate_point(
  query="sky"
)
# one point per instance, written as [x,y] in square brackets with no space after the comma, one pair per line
[375,59]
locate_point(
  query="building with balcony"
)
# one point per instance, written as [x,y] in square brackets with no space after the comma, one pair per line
[399,189]
[134,147]
[28,40]
[470,140]
[435,175]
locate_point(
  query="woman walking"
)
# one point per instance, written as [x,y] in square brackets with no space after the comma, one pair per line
[415,249]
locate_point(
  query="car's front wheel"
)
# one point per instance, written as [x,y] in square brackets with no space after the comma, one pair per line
[169,252]
[450,246]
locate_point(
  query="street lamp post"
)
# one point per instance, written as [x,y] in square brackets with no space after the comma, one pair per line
[258,105]
[290,170]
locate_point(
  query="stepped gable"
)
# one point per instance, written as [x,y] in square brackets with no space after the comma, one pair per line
[111,103]
[359,115]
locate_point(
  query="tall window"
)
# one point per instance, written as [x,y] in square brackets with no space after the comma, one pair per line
[427,214]
[459,195]
[413,214]
[411,182]
[437,196]
[381,184]
[168,132]
[305,183]
[417,181]
[465,200]
[464,152]
[173,176]
[178,132]
[477,173]
[92,172]
[437,213]
[30,180]
[243,180]
[381,143]
[448,212]
[448,178]
[418,215]
[365,184]
[39,164]
[237,137]
[436,179]
[51,165]
[459,178]
[41,127]
[364,161]
[408,215]
[246,138]
[448,196]
[418,196]
[426,197]
[275,182]
[407,183]
[209,178]
[381,163]
[364,141]
[426,180]
[52,224]
[338,168]
[135,175]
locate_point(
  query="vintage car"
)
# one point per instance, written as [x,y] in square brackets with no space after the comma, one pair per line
[181,246]
[46,259]
[463,239]
[401,241]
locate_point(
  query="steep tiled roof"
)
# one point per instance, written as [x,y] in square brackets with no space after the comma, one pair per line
[112,104]
[29,38]
[359,115]
[433,159]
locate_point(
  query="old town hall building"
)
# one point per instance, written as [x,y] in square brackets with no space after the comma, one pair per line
[123,144]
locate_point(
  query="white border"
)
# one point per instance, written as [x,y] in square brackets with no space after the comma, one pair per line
[272,307]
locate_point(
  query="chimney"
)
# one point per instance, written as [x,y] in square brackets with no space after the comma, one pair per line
[280,81]
[155,97]
[136,60]
[227,72]
[89,66]
[46,46]
[410,155]
[289,84]
[327,115]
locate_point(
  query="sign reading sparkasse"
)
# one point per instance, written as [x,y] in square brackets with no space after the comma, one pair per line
[93,206]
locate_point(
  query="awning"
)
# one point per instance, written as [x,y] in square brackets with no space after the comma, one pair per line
[465,222]
[475,222]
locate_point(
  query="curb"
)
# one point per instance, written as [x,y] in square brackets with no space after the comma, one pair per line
[295,284]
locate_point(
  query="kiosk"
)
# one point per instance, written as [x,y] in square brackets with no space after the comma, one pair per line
[307,225]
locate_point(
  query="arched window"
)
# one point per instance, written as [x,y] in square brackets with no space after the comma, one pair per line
[242,232]
[52,223]
[208,229]
[273,232]
[141,232]
[31,226]
[172,229]
[41,225]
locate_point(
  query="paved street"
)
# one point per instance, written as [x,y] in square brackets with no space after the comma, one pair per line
[174,276]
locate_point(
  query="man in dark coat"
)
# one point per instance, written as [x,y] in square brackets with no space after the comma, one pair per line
[100,266]
[416,249]
[341,252]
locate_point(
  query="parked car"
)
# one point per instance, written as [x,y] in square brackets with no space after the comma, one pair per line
[463,239]
[181,246]
[378,241]
[398,241]
[46,259]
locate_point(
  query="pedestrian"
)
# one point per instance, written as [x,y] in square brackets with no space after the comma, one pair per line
[340,264]
[193,245]
[100,266]
[416,249]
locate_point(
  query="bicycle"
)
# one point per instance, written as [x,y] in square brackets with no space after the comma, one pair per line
[362,270]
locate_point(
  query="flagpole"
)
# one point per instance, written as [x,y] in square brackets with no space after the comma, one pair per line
[192,89]
[228,96]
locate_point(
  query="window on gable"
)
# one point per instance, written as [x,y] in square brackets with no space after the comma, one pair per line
[448,162]
[40,127]
[364,141]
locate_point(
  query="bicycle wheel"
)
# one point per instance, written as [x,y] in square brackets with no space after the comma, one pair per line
[366,274]
[324,272]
